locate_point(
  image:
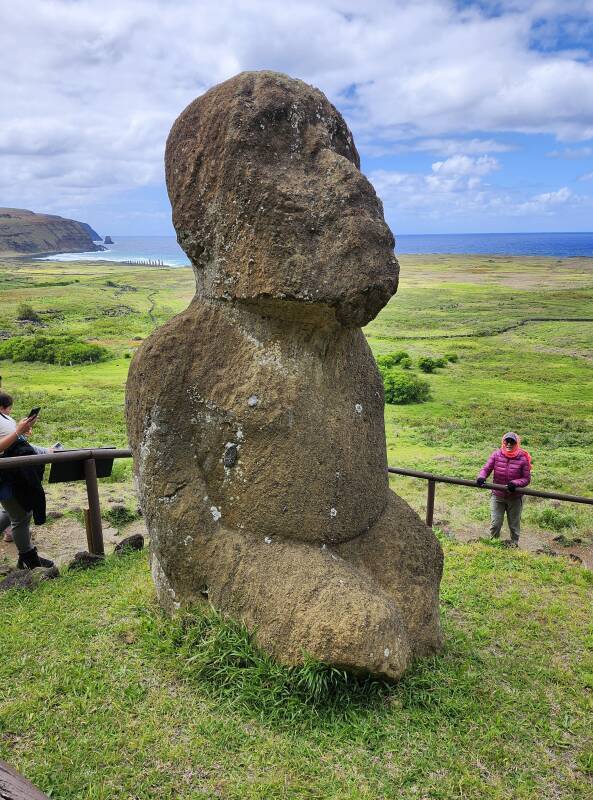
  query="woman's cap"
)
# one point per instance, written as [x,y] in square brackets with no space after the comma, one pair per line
[512,436]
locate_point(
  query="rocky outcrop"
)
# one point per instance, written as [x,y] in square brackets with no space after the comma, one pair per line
[28,579]
[256,415]
[24,232]
[108,240]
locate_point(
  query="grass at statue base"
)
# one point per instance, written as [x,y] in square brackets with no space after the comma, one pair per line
[103,697]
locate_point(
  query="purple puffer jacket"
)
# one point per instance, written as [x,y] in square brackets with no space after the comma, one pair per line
[514,469]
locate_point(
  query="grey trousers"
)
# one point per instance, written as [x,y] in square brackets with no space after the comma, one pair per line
[14,514]
[513,506]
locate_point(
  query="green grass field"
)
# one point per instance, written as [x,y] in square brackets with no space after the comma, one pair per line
[535,378]
[102,698]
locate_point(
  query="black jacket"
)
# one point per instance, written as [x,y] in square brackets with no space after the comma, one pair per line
[25,481]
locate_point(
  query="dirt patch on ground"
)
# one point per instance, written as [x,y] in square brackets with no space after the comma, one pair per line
[62,538]
[532,542]
[64,533]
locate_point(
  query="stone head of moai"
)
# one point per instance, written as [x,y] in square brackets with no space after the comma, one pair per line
[256,415]
[269,201]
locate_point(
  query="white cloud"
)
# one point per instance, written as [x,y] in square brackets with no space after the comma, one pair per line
[438,146]
[572,153]
[455,188]
[460,173]
[546,202]
[89,90]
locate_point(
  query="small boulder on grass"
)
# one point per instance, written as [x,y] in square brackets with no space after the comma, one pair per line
[85,560]
[135,542]
[28,578]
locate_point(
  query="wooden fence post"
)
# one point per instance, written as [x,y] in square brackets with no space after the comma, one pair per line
[92,491]
[430,503]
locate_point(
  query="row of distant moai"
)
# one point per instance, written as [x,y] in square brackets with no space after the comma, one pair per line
[256,415]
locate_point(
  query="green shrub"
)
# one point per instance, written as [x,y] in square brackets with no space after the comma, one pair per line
[51,350]
[453,358]
[430,363]
[402,388]
[27,313]
[427,364]
[555,519]
[120,515]
[399,359]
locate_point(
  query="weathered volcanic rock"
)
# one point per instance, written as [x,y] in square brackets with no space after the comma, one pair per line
[86,560]
[28,579]
[256,415]
[133,542]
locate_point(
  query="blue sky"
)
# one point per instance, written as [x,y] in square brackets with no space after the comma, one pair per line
[469,116]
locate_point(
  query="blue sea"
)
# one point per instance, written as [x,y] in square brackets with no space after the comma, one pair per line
[561,245]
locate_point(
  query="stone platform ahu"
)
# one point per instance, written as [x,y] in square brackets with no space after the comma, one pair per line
[256,415]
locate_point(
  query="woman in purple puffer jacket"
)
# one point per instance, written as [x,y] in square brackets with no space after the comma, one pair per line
[512,468]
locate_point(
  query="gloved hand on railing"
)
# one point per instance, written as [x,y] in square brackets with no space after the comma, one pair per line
[511,486]
[481,481]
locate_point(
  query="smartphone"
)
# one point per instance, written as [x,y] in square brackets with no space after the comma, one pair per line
[34,412]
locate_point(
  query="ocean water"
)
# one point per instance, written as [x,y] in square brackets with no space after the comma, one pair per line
[561,245]
[133,248]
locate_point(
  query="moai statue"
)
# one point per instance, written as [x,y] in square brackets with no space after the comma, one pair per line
[256,415]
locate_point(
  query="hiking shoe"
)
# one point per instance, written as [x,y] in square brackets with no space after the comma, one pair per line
[511,544]
[8,535]
[31,560]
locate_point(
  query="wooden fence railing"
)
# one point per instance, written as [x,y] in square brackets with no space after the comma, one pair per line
[88,459]
[94,528]
[434,479]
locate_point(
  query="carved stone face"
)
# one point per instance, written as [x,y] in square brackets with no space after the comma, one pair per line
[270,205]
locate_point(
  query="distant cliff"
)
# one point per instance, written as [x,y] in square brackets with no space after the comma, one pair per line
[23,232]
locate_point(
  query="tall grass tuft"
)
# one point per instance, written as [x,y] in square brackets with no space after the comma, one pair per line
[222,657]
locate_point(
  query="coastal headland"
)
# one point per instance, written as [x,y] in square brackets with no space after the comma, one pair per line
[24,232]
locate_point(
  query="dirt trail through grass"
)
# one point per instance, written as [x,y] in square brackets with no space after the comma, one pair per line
[496,332]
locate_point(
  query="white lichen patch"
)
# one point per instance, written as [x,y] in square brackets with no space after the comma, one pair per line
[253,401]
[268,539]
[387,652]
[188,540]
[216,513]
[147,443]
[165,591]
[333,512]
[358,408]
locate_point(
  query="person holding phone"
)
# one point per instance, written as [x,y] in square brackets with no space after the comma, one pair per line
[13,513]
